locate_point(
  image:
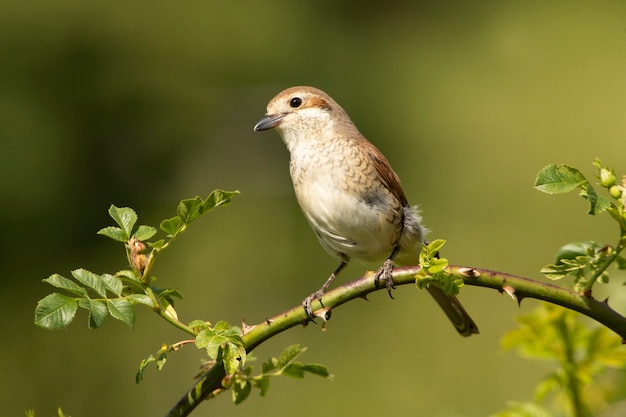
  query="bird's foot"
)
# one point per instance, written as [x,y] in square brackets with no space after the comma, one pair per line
[385,274]
[306,304]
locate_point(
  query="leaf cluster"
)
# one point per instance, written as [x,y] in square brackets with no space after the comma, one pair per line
[582,354]
[581,260]
[549,332]
[285,364]
[116,294]
[434,269]
[587,262]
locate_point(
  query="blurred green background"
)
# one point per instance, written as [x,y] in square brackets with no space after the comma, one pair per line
[142,104]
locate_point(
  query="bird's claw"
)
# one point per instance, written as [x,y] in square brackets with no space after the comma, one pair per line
[385,274]
[306,304]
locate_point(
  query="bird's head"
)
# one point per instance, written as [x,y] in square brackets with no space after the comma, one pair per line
[298,113]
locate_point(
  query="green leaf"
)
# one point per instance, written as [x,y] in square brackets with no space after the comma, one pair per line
[192,208]
[142,366]
[263,383]
[269,365]
[97,312]
[437,265]
[125,217]
[172,226]
[218,198]
[450,285]
[91,280]
[114,233]
[129,275]
[58,281]
[233,355]
[597,203]
[112,283]
[224,343]
[294,370]
[121,309]
[55,311]
[189,209]
[289,354]
[435,246]
[167,294]
[556,272]
[162,356]
[316,369]
[556,179]
[575,249]
[298,370]
[621,262]
[144,232]
[199,325]
[241,391]
[423,280]
[140,299]
[158,244]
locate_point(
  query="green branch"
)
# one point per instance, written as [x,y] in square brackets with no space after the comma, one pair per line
[516,287]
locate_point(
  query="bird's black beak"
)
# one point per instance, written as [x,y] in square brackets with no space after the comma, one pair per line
[268,122]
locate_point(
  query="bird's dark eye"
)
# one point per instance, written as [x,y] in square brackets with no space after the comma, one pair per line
[295,102]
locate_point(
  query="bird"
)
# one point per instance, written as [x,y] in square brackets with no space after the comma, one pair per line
[349,194]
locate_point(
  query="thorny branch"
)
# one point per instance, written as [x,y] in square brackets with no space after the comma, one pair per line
[516,287]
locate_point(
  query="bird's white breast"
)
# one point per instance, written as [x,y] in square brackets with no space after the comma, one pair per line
[332,199]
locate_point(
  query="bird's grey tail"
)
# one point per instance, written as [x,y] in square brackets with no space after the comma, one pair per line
[454,310]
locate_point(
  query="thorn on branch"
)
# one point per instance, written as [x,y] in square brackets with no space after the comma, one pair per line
[245,327]
[469,272]
[510,291]
[324,314]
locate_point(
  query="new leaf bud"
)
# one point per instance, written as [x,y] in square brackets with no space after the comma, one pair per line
[607,177]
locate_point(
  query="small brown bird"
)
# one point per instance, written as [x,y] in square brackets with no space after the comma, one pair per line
[349,193]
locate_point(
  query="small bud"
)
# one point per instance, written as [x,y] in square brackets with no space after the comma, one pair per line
[607,177]
[615,191]
[137,258]
[171,312]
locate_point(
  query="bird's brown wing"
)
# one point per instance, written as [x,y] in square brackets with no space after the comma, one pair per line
[387,174]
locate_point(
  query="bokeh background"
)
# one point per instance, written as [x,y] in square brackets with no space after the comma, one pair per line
[142,104]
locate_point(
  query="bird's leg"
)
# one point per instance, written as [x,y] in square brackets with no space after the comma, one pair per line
[384,272]
[317,295]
